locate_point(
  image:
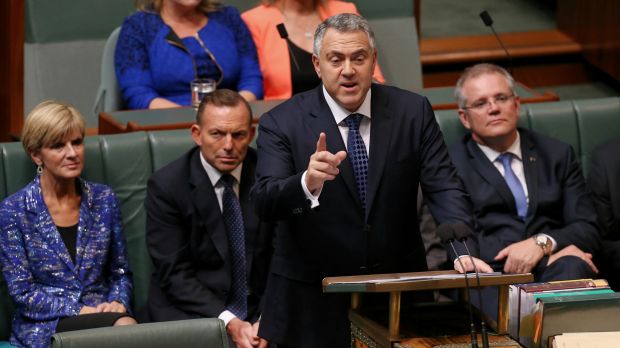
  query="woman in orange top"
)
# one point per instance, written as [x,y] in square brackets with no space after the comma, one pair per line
[283,76]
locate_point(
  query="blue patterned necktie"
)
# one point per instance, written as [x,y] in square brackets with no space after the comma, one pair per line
[514,184]
[231,210]
[357,154]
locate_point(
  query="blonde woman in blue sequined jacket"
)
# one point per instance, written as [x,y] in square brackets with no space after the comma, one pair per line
[62,250]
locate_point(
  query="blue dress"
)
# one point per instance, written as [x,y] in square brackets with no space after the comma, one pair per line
[149,65]
[43,281]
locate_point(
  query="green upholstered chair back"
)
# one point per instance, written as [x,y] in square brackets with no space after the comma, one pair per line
[64,44]
[209,333]
[367,8]
[109,96]
[398,51]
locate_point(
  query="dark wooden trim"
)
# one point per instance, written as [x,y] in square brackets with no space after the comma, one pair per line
[544,97]
[109,125]
[11,68]
[450,50]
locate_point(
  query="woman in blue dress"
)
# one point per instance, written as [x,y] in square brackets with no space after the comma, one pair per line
[62,250]
[168,43]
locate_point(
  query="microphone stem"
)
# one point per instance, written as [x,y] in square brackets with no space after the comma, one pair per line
[483,327]
[472,331]
[505,50]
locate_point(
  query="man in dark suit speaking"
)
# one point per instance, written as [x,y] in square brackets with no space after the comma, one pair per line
[532,209]
[211,252]
[339,167]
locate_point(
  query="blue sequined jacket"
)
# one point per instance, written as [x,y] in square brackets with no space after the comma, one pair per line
[149,62]
[43,281]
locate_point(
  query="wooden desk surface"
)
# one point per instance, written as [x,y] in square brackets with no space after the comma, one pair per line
[161,119]
[374,283]
[441,98]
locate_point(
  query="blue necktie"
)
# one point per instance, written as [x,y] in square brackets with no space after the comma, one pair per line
[514,184]
[357,154]
[231,210]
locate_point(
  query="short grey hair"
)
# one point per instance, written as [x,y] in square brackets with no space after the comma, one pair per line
[344,23]
[477,70]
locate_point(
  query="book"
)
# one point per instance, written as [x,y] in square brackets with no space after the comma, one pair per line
[586,340]
[528,308]
[520,292]
[558,314]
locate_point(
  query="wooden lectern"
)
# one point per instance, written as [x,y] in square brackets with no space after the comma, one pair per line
[369,331]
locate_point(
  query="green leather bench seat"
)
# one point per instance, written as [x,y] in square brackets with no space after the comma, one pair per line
[125,162]
[208,332]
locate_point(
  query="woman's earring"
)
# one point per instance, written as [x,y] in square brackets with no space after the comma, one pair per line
[39,169]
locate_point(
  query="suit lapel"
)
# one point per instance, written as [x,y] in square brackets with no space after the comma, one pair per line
[206,204]
[84,225]
[247,208]
[530,171]
[322,120]
[490,174]
[380,135]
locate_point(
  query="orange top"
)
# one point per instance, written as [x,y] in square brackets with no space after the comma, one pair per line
[273,55]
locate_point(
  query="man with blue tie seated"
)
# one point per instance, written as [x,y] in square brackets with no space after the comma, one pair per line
[339,167]
[532,209]
[211,252]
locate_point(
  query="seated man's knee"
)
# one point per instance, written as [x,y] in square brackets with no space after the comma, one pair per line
[567,267]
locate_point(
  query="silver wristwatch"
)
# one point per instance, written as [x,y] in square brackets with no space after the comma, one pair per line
[543,242]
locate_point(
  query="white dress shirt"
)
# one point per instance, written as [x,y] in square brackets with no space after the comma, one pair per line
[516,164]
[340,114]
[218,187]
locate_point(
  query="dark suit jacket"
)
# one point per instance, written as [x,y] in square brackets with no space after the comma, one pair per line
[338,237]
[558,198]
[605,185]
[605,190]
[187,240]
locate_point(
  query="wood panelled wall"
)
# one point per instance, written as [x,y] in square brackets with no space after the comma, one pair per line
[11,68]
[595,25]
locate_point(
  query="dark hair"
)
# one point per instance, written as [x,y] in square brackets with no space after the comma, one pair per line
[222,97]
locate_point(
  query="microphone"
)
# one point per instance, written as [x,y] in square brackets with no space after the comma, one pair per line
[488,21]
[446,233]
[461,232]
[284,35]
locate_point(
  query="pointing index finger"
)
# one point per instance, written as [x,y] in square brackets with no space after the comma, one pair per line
[321,144]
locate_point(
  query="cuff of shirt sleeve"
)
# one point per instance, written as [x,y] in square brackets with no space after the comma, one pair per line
[314,199]
[226,317]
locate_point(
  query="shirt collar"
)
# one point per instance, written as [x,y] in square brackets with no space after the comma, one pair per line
[514,149]
[215,175]
[341,113]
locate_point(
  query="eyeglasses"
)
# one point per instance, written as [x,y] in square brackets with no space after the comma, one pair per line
[484,104]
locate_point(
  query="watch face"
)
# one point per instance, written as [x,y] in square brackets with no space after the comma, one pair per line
[542,241]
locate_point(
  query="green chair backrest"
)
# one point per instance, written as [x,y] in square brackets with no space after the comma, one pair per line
[398,51]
